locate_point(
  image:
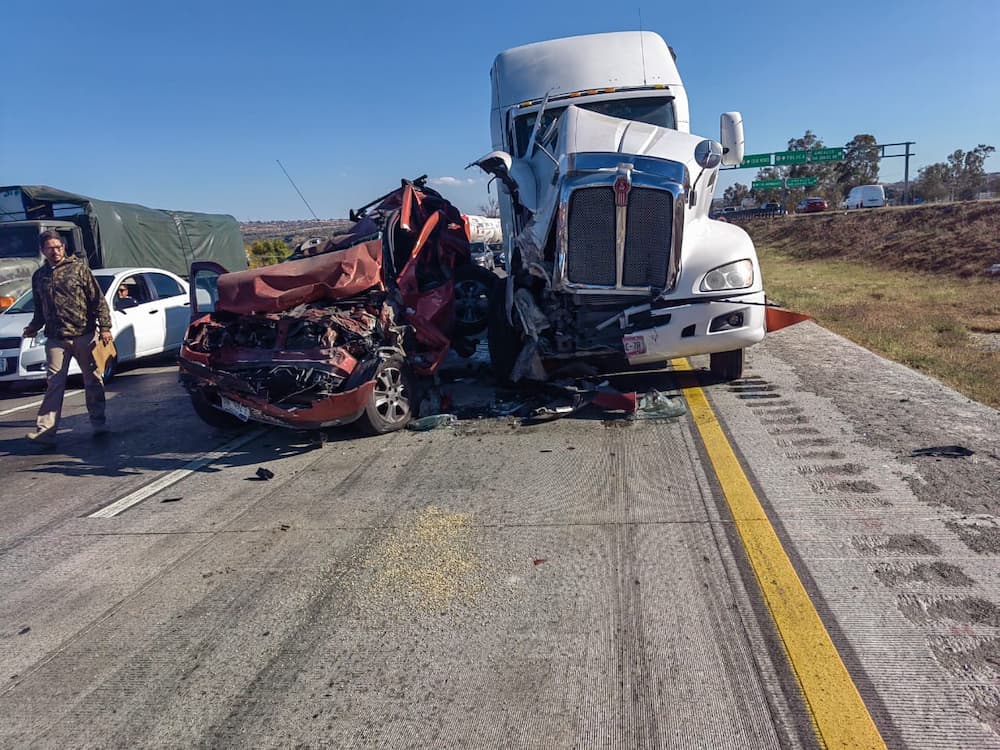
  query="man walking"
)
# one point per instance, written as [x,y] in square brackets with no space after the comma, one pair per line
[70,307]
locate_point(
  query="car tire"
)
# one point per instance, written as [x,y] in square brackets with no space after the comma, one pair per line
[473,286]
[727,365]
[388,408]
[503,339]
[213,416]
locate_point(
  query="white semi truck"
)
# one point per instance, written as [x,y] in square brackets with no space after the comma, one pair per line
[604,203]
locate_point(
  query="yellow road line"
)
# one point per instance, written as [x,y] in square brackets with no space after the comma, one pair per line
[838,712]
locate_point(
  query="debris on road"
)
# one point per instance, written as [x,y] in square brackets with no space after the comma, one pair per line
[655,405]
[432,422]
[264,474]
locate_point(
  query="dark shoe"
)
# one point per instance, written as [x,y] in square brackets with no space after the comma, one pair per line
[42,437]
[98,428]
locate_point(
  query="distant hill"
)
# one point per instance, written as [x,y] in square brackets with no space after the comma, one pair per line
[292,232]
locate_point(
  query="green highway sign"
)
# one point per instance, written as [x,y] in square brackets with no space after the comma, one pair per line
[826,154]
[765,184]
[756,160]
[790,157]
[800,181]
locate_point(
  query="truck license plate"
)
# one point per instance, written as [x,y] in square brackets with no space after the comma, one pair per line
[634,345]
[237,410]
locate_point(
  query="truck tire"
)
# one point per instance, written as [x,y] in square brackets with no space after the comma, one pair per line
[727,365]
[212,416]
[388,408]
[503,339]
[473,287]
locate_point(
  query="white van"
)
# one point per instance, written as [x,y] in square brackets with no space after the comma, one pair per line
[866,196]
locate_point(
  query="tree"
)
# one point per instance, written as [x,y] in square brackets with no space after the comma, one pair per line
[491,208]
[772,194]
[860,164]
[266,252]
[967,173]
[824,172]
[933,182]
[734,194]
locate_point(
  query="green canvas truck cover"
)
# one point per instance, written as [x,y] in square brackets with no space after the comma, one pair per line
[132,235]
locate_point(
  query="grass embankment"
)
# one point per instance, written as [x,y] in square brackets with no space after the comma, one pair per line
[940,316]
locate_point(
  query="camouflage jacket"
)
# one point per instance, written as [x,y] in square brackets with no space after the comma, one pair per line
[68,301]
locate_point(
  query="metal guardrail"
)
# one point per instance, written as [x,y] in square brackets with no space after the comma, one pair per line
[747,213]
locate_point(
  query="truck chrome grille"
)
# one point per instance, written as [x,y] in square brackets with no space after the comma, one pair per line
[591,234]
[647,243]
[591,237]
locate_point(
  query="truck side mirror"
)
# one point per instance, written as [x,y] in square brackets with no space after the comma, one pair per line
[731,137]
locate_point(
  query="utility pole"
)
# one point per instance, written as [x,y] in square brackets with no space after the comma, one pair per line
[906,168]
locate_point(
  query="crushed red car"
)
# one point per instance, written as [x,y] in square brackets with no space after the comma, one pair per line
[342,330]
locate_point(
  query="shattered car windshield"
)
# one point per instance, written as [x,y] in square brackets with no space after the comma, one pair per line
[653,110]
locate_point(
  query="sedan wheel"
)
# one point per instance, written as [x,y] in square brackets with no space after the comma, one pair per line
[473,285]
[388,409]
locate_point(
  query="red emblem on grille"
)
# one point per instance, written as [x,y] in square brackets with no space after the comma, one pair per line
[622,186]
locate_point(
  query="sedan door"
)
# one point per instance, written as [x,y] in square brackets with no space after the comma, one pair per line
[139,321]
[172,296]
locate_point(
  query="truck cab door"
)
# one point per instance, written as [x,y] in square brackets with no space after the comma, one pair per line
[203,287]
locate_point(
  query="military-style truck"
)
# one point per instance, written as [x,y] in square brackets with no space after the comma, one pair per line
[107,235]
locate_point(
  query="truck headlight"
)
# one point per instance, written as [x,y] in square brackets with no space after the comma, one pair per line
[736,275]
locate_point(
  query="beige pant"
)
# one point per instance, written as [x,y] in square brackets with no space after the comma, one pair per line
[58,353]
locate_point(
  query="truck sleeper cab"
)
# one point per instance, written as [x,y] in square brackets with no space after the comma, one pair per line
[604,202]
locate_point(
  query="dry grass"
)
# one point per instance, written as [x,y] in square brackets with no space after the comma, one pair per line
[942,318]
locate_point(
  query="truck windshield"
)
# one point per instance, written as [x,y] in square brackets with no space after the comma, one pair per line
[19,242]
[653,110]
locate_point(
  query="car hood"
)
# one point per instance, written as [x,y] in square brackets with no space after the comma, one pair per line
[11,324]
[331,276]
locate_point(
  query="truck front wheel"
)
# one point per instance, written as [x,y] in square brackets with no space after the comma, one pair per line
[503,339]
[727,365]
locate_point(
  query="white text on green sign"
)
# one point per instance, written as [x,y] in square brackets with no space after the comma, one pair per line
[790,157]
[756,160]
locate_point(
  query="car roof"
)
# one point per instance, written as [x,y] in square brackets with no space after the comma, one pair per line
[120,270]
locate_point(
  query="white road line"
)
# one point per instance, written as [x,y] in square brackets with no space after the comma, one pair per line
[35,403]
[172,478]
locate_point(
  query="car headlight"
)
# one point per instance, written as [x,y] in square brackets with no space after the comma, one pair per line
[38,340]
[736,275]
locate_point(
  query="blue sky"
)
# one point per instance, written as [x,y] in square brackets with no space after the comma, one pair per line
[189,105]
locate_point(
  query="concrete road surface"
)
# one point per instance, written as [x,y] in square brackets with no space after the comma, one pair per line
[772,569]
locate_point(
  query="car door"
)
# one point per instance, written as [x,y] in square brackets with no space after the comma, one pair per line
[172,295]
[129,313]
[146,317]
[203,289]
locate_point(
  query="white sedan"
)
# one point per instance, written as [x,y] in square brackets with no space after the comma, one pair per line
[150,312]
